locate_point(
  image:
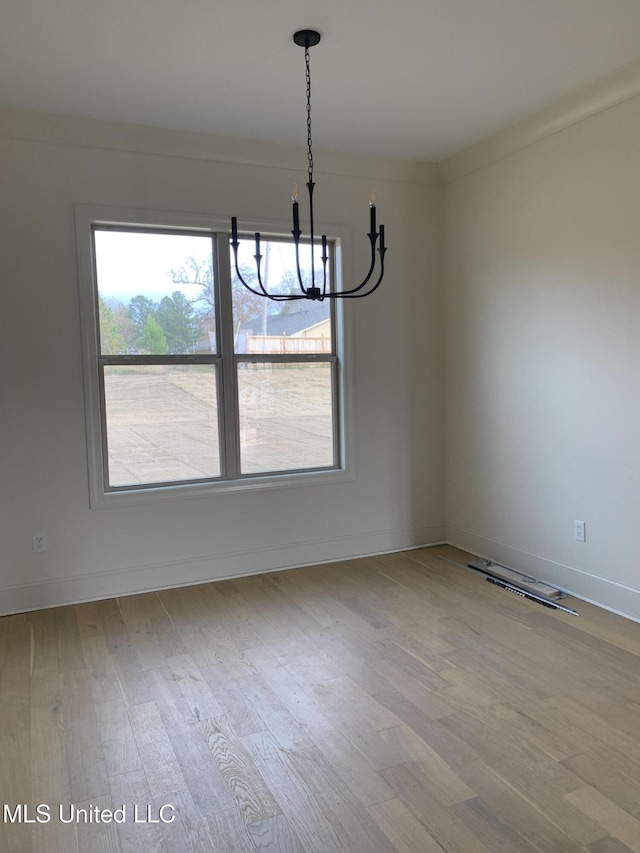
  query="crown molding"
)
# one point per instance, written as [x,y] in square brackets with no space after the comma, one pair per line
[57,129]
[607,92]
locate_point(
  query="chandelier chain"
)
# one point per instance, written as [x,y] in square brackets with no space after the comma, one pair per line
[309,150]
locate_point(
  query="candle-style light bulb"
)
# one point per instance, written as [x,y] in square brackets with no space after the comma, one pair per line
[372,198]
[294,192]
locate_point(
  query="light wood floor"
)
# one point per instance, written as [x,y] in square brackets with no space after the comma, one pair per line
[395,703]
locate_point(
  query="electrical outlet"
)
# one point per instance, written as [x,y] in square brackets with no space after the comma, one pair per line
[580,531]
[39,542]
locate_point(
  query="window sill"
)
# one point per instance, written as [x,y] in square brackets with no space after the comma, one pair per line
[158,494]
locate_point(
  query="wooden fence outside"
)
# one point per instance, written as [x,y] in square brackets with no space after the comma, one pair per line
[286,344]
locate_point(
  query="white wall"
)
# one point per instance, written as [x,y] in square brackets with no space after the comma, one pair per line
[46,165]
[542,340]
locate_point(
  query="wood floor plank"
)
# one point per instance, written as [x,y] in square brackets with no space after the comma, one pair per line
[354,826]
[274,835]
[594,725]
[608,845]
[184,829]
[210,645]
[200,700]
[199,769]
[123,654]
[16,694]
[101,669]
[187,605]
[479,818]
[506,685]
[158,758]
[546,784]
[402,828]
[347,761]
[49,770]
[516,811]
[513,726]
[491,745]
[287,731]
[152,633]
[349,701]
[243,717]
[169,698]
[430,701]
[366,611]
[608,815]
[228,831]
[129,790]
[116,737]
[314,830]
[431,771]
[352,656]
[15,785]
[99,837]
[290,620]
[449,746]
[253,798]
[239,621]
[310,669]
[306,594]
[83,752]
[440,822]
[606,774]
[16,669]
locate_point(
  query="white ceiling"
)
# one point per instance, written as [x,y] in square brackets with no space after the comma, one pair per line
[420,79]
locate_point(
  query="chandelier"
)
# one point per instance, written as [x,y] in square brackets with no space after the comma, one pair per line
[308,39]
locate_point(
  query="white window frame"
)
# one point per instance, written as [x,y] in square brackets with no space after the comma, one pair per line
[100,496]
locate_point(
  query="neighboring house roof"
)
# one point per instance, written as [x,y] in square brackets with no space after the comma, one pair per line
[309,314]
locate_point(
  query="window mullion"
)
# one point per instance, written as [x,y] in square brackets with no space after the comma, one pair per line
[230,432]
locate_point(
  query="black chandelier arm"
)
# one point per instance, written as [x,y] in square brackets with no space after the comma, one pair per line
[241,279]
[353,294]
[235,245]
[274,297]
[258,258]
[373,239]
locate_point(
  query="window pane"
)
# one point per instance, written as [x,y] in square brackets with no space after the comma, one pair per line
[264,326]
[155,293]
[285,416]
[162,423]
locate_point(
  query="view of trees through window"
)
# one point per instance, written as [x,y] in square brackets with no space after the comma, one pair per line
[161,355]
[172,310]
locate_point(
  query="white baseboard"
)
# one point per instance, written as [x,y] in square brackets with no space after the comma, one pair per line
[55,592]
[19,598]
[619,598]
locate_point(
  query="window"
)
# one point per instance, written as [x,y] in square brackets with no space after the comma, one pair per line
[193,384]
